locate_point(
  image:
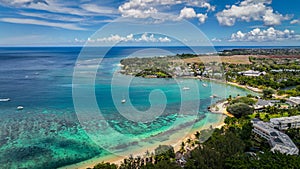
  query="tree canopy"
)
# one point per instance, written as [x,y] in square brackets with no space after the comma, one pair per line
[268,92]
[240,109]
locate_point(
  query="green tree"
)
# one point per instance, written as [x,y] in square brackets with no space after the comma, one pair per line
[267,93]
[166,164]
[240,110]
[164,152]
[266,160]
[197,134]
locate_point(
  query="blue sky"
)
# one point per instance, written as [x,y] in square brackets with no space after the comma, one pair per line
[74,22]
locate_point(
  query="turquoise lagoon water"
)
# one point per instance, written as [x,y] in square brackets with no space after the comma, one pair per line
[48,133]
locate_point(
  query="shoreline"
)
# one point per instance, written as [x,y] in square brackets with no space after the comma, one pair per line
[220,108]
[257,90]
[176,144]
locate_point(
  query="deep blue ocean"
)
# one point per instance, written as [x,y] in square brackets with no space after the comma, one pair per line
[50,133]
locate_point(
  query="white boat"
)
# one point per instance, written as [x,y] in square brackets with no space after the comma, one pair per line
[5,100]
[123,101]
[20,108]
[213,96]
[205,85]
[186,88]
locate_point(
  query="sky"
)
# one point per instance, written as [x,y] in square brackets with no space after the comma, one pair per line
[222,22]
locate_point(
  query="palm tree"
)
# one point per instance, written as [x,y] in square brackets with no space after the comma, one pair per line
[189,141]
[147,153]
[182,149]
[197,135]
[229,98]
[267,117]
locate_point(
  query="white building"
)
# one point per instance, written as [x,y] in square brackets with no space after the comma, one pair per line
[293,101]
[260,104]
[278,141]
[251,73]
[284,123]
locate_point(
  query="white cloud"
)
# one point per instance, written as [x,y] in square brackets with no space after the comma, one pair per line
[21,2]
[160,9]
[74,12]
[68,7]
[216,40]
[98,9]
[138,13]
[271,18]
[188,13]
[270,34]
[138,8]
[51,16]
[79,40]
[295,21]
[164,39]
[202,17]
[251,10]
[43,23]
[202,4]
[145,37]
[208,6]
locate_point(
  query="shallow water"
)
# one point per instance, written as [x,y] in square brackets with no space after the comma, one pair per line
[49,133]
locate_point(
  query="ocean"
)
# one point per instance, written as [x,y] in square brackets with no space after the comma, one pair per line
[67,120]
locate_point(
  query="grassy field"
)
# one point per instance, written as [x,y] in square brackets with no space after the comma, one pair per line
[262,115]
[236,59]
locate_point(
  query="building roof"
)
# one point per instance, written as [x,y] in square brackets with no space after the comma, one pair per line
[273,134]
[252,73]
[283,120]
[278,140]
[295,100]
[261,103]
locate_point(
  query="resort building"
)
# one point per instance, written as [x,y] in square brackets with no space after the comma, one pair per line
[284,123]
[284,70]
[278,141]
[293,101]
[251,73]
[260,104]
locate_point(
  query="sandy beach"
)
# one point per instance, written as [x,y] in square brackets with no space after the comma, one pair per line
[246,87]
[220,108]
[173,140]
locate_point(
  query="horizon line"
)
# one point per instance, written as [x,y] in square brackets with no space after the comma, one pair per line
[24,46]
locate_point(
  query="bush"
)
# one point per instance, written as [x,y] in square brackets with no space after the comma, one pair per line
[105,166]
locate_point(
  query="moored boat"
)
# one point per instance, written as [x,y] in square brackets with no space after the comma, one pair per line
[20,108]
[5,100]
[185,88]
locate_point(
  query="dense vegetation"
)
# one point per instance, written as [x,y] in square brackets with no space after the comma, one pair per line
[260,52]
[281,73]
[232,146]
[227,148]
